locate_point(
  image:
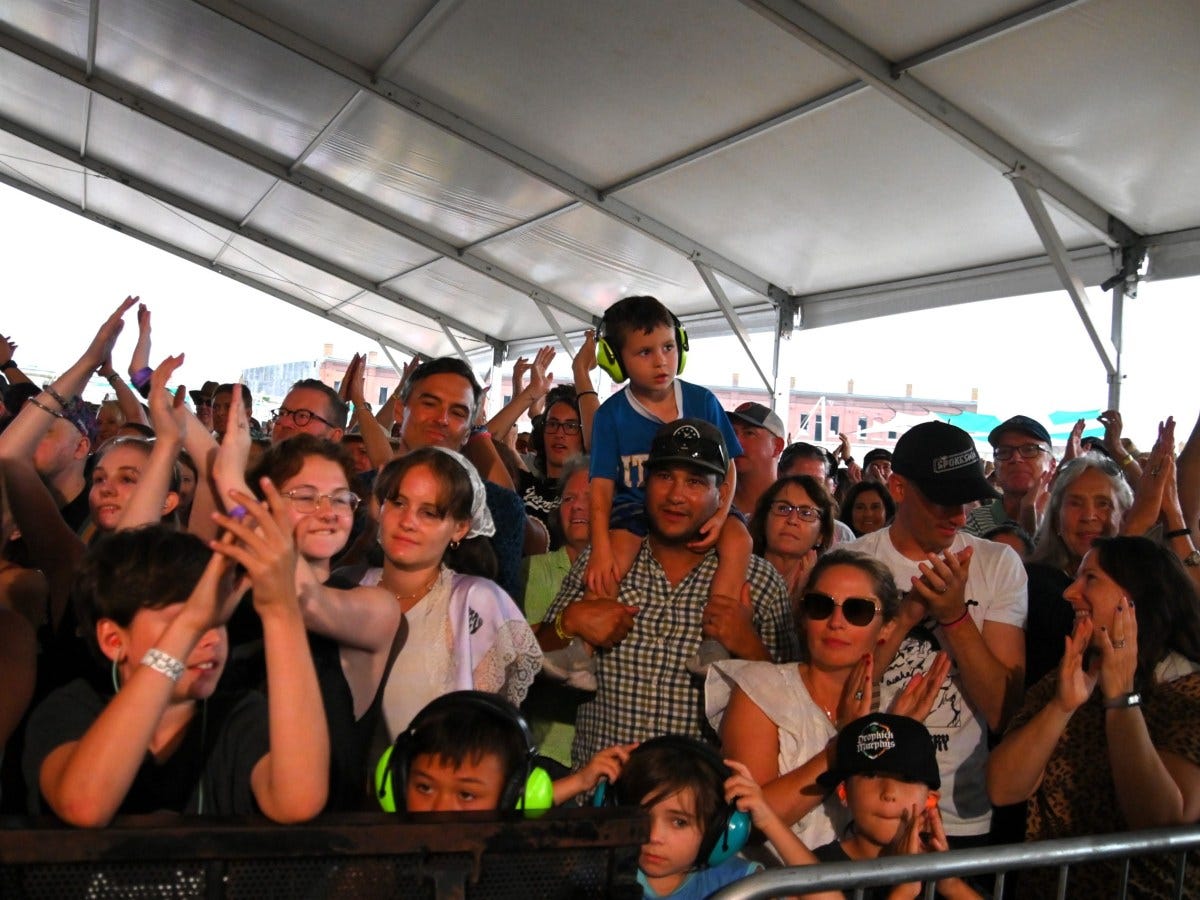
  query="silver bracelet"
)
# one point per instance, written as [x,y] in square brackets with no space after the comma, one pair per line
[1124,701]
[163,664]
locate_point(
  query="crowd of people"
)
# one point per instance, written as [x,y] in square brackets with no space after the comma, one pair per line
[783,655]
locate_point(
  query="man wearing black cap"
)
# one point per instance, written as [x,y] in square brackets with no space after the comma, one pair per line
[1024,468]
[966,596]
[761,433]
[877,465]
[646,635]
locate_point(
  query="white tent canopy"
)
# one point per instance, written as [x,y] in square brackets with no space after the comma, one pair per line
[475,176]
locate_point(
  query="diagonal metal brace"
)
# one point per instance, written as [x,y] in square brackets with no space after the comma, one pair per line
[718,294]
[1057,252]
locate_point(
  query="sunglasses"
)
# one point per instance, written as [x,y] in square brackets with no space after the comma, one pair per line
[856,610]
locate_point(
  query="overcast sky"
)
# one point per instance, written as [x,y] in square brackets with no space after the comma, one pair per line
[64,274]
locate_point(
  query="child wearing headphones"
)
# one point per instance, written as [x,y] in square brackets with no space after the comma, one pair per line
[473,751]
[886,774]
[644,342]
[695,832]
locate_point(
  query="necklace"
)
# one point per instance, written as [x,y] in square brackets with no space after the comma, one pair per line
[411,598]
[829,714]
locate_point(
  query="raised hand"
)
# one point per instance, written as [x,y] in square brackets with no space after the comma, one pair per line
[265,548]
[920,694]
[1075,684]
[942,584]
[855,701]
[1074,442]
[102,344]
[7,349]
[585,359]
[1118,652]
[168,415]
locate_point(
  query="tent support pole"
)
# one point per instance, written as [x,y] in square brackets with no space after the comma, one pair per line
[556,327]
[1057,252]
[727,310]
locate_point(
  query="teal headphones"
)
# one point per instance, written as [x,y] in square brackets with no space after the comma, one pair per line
[610,360]
[729,830]
[529,788]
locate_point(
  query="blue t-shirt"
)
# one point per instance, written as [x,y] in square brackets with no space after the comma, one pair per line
[703,882]
[623,431]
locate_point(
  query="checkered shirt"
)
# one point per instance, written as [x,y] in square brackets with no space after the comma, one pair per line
[644,688]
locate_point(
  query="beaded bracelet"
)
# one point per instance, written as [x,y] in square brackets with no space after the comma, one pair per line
[163,663]
[44,408]
[49,389]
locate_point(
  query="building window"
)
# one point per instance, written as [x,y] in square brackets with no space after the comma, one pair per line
[383,395]
[862,424]
[337,385]
[804,421]
[835,424]
[817,428]
[891,435]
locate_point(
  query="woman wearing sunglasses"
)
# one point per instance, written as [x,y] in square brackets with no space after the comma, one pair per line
[792,526]
[779,720]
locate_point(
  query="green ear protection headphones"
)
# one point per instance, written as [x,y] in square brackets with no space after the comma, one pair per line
[529,788]
[610,361]
[729,831]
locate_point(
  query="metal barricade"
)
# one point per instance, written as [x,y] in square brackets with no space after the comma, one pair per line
[568,854]
[998,861]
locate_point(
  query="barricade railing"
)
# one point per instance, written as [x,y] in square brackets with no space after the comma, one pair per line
[1058,855]
[568,853]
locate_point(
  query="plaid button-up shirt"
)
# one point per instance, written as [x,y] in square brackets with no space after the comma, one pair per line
[644,689]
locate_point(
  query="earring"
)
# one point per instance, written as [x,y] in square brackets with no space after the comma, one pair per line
[116,677]
[454,545]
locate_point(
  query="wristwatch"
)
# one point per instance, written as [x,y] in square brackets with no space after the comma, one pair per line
[1192,559]
[5,366]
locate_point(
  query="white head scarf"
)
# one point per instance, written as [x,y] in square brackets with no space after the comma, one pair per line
[481,516]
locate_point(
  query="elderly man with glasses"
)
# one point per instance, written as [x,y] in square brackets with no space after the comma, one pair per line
[1024,470]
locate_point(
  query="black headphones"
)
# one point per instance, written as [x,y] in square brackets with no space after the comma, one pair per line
[529,788]
[610,361]
[729,830]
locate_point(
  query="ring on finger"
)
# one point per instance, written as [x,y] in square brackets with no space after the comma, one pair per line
[858,695]
[1118,644]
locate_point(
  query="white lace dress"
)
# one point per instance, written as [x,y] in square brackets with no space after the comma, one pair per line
[465,634]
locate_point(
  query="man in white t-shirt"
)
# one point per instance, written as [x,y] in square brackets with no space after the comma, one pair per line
[966,596]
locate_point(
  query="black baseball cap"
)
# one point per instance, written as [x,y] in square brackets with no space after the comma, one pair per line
[942,461]
[879,453]
[884,744]
[689,442]
[1023,424]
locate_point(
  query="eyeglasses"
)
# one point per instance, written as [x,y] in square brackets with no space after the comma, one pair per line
[570,426]
[784,510]
[307,500]
[300,416]
[856,610]
[1027,451]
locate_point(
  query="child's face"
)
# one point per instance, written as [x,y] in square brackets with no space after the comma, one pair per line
[651,359]
[876,801]
[436,785]
[675,836]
